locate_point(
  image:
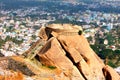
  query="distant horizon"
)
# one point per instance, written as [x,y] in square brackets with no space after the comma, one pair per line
[93,5]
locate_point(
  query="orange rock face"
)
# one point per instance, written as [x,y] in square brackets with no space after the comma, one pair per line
[52,54]
[10,75]
[69,51]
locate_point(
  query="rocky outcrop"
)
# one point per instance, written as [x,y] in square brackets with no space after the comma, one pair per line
[11,75]
[68,50]
[52,54]
[62,53]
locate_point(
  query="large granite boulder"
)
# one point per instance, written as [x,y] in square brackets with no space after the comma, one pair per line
[52,54]
[68,50]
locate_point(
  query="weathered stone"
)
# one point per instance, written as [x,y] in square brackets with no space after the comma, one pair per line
[52,54]
[73,54]
[68,50]
[44,33]
[75,75]
[11,75]
[81,45]
[110,74]
[85,70]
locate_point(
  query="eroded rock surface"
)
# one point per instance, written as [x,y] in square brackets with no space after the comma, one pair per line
[67,49]
[62,53]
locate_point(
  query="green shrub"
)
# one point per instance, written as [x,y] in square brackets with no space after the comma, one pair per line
[52,67]
[110,63]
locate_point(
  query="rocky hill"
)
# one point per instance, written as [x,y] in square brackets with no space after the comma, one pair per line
[62,53]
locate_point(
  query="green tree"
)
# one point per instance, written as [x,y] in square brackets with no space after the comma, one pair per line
[110,39]
[106,53]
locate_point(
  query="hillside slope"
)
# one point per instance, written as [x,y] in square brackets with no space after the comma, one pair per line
[62,53]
